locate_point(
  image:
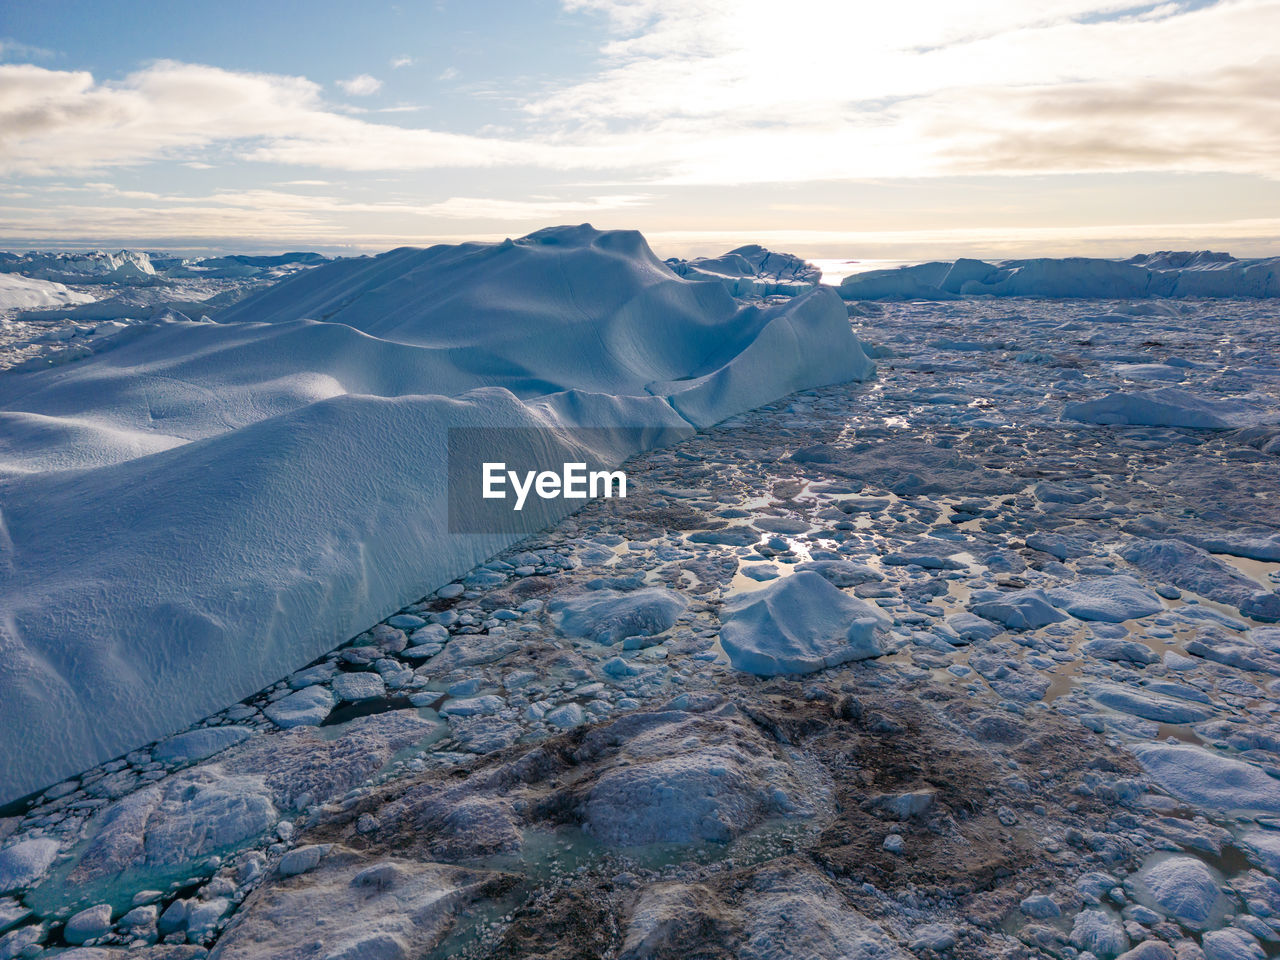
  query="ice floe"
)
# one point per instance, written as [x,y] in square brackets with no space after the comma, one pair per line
[799,624]
[1209,780]
[1170,407]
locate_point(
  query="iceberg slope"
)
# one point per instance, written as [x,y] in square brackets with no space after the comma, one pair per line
[27,293]
[195,513]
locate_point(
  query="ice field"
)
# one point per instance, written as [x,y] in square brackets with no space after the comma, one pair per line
[972,651]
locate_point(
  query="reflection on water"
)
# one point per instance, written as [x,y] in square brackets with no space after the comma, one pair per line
[1265,573]
[833,271]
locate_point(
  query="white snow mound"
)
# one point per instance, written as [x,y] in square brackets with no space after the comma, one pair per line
[1170,407]
[799,624]
[28,293]
[192,515]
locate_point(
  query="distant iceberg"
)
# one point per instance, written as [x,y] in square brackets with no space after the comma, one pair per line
[190,515]
[28,293]
[126,266]
[753,271]
[139,268]
[1164,274]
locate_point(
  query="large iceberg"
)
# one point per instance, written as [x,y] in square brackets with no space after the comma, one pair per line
[1164,274]
[199,510]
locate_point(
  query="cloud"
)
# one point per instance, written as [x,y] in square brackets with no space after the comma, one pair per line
[722,92]
[17,50]
[400,62]
[54,121]
[712,57]
[448,73]
[729,91]
[276,219]
[361,85]
[1246,238]
[99,212]
[1226,120]
[545,210]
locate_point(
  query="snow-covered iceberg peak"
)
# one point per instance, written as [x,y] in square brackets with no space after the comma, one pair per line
[26,293]
[752,271]
[191,515]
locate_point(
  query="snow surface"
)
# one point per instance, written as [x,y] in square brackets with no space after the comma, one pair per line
[1165,274]
[28,293]
[1184,887]
[1210,781]
[951,484]
[1170,407]
[196,512]
[799,624]
[25,862]
[1112,599]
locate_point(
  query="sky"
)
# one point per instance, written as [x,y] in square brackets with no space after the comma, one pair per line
[887,130]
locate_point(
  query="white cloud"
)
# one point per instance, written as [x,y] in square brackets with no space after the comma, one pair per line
[710,57]
[308,219]
[546,210]
[1224,120]
[16,49]
[54,121]
[398,63]
[731,91]
[277,218]
[1248,228]
[739,91]
[361,85]
[448,73]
